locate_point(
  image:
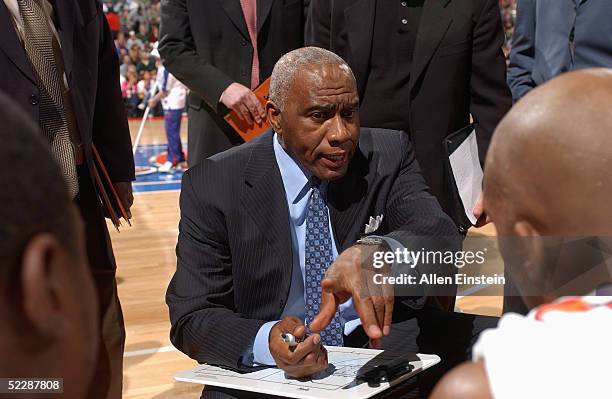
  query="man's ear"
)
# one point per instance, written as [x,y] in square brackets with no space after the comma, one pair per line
[43,268]
[534,245]
[274,117]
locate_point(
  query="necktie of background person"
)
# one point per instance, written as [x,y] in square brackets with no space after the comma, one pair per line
[318,256]
[249,9]
[55,113]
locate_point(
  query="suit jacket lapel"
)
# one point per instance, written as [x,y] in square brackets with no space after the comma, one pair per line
[264,199]
[435,21]
[263,11]
[234,11]
[11,45]
[345,200]
[359,19]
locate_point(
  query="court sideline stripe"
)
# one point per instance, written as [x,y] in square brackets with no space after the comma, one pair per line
[150,351]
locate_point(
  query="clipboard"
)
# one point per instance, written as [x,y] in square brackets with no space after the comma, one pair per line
[340,381]
[465,174]
[249,132]
[113,207]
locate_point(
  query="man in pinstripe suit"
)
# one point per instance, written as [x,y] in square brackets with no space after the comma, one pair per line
[244,272]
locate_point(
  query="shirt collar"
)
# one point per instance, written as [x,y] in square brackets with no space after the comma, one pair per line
[296,179]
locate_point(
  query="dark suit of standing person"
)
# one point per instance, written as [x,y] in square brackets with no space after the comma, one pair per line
[422,66]
[58,63]
[262,222]
[556,36]
[209,46]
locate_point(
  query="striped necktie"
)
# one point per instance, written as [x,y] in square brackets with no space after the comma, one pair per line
[249,9]
[318,256]
[44,53]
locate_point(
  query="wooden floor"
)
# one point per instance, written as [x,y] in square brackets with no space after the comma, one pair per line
[146,261]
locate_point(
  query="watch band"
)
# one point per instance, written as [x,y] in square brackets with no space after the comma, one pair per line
[368,240]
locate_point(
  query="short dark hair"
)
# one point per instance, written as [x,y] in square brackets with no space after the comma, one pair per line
[33,195]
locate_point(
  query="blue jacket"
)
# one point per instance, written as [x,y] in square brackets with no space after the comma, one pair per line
[542,45]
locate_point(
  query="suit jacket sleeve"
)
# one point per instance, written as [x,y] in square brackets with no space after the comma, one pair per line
[318,24]
[417,221]
[490,95]
[111,133]
[205,325]
[178,50]
[522,55]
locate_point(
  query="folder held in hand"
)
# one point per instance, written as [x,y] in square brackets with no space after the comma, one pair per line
[246,131]
[113,207]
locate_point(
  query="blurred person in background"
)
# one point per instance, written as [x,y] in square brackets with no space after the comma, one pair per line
[145,87]
[127,62]
[143,33]
[134,53]
[556,36]
[120,41]
[222,50]
[74,96]
[134,41]
[113,20]
[172,94]
[124,18]
[145,63]
[129,91]
[154,34]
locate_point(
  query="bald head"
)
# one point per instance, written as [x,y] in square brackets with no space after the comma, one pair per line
[550,158]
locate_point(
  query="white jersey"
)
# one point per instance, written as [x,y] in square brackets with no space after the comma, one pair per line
[177,92]
[559,350]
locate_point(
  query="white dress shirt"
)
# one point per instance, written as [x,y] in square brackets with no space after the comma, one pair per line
[13,8]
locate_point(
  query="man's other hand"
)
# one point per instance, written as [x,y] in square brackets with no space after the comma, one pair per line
[307,358]
[352,276]
[244,102]
[124,191]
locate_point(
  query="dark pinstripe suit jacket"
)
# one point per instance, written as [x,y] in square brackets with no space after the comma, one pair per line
[234,246]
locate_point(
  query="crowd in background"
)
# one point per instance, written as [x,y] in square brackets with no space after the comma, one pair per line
[135,25]
[508,13]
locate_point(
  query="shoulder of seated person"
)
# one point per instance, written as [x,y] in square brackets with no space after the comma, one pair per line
[468,380]
[383,141]
[381,134]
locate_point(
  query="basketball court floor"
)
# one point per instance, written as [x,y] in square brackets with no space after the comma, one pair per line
[146,261]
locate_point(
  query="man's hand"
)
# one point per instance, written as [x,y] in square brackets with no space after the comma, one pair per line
[244,102]
[481,216]
[352,276]
[307,358]
[124,190]
[152,102]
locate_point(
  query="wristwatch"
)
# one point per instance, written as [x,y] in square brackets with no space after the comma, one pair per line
[369,240]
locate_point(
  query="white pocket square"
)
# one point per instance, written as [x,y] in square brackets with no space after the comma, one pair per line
[373,225]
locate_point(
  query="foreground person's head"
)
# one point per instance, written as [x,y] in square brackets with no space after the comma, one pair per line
[548,178]
[314,108]
[48,309]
